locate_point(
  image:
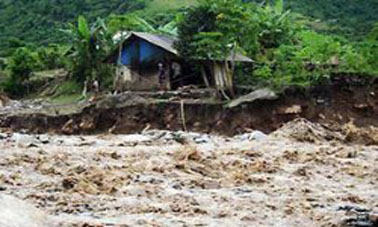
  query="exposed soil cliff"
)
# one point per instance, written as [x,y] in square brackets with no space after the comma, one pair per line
[344,100]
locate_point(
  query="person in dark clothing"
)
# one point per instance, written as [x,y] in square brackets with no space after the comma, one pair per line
[161,72]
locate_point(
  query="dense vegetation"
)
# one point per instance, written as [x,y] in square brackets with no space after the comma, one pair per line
[351,18]
[36,20]
[289,48]
[287,52]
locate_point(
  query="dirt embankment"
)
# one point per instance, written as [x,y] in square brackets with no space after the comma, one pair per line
[344,100]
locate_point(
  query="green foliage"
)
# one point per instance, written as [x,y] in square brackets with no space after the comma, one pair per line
[373,35]
[52,57]
[128,22]
[3,63]
[38,21]
[311,60]
[353,19]
[21,65]
[268,34]
[275,26]
[213,29]
[169,28]
[369,51]
[89,47]
[83,28]
[317,48]
[272,33]
[133,22]
[162,5]
[68,88]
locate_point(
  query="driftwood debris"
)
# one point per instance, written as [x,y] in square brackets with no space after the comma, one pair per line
[260,94]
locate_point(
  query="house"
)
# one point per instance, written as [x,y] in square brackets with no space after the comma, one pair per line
[147,61]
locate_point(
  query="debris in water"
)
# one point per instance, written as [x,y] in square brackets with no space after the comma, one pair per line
[299,175]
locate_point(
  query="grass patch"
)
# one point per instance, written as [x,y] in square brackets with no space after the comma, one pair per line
[67,93]
[65,99]
[68,88]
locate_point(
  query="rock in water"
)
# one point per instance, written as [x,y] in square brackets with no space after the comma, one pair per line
[17,213]
[255,135]
[23,140]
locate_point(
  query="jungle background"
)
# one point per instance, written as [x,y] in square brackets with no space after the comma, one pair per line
[293,42]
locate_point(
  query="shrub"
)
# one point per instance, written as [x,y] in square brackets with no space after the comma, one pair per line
[51,57]
[21,64]
[3,63]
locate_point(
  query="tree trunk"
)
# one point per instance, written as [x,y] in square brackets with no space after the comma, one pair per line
[205,80]
[221,78]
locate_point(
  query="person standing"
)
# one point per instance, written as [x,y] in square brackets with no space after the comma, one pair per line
[85,89]
[176,70]
[96,86]
[161,68]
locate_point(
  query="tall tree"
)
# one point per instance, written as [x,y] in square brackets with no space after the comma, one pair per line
[215,30]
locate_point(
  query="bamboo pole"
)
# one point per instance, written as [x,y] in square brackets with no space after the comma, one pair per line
[183,115]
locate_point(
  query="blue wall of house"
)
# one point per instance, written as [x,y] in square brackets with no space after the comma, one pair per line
[140,52]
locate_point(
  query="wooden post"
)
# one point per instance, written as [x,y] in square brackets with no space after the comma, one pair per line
[220,78]
[183,115]
[229,76]
[203,72]
[168,75]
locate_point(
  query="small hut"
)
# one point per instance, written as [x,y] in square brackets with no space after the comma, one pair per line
[147,61]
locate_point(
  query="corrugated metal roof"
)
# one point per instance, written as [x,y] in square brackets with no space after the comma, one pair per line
[163,41]
[167,43]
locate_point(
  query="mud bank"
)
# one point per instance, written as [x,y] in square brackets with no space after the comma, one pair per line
[342,101]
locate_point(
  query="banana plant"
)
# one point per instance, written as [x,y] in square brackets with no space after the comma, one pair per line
[89,45]
[274,24]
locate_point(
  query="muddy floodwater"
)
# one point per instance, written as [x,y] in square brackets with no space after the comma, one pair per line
[163,178]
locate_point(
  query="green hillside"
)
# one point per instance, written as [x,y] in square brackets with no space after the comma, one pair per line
[38,21]
[293,43]
[352,18]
